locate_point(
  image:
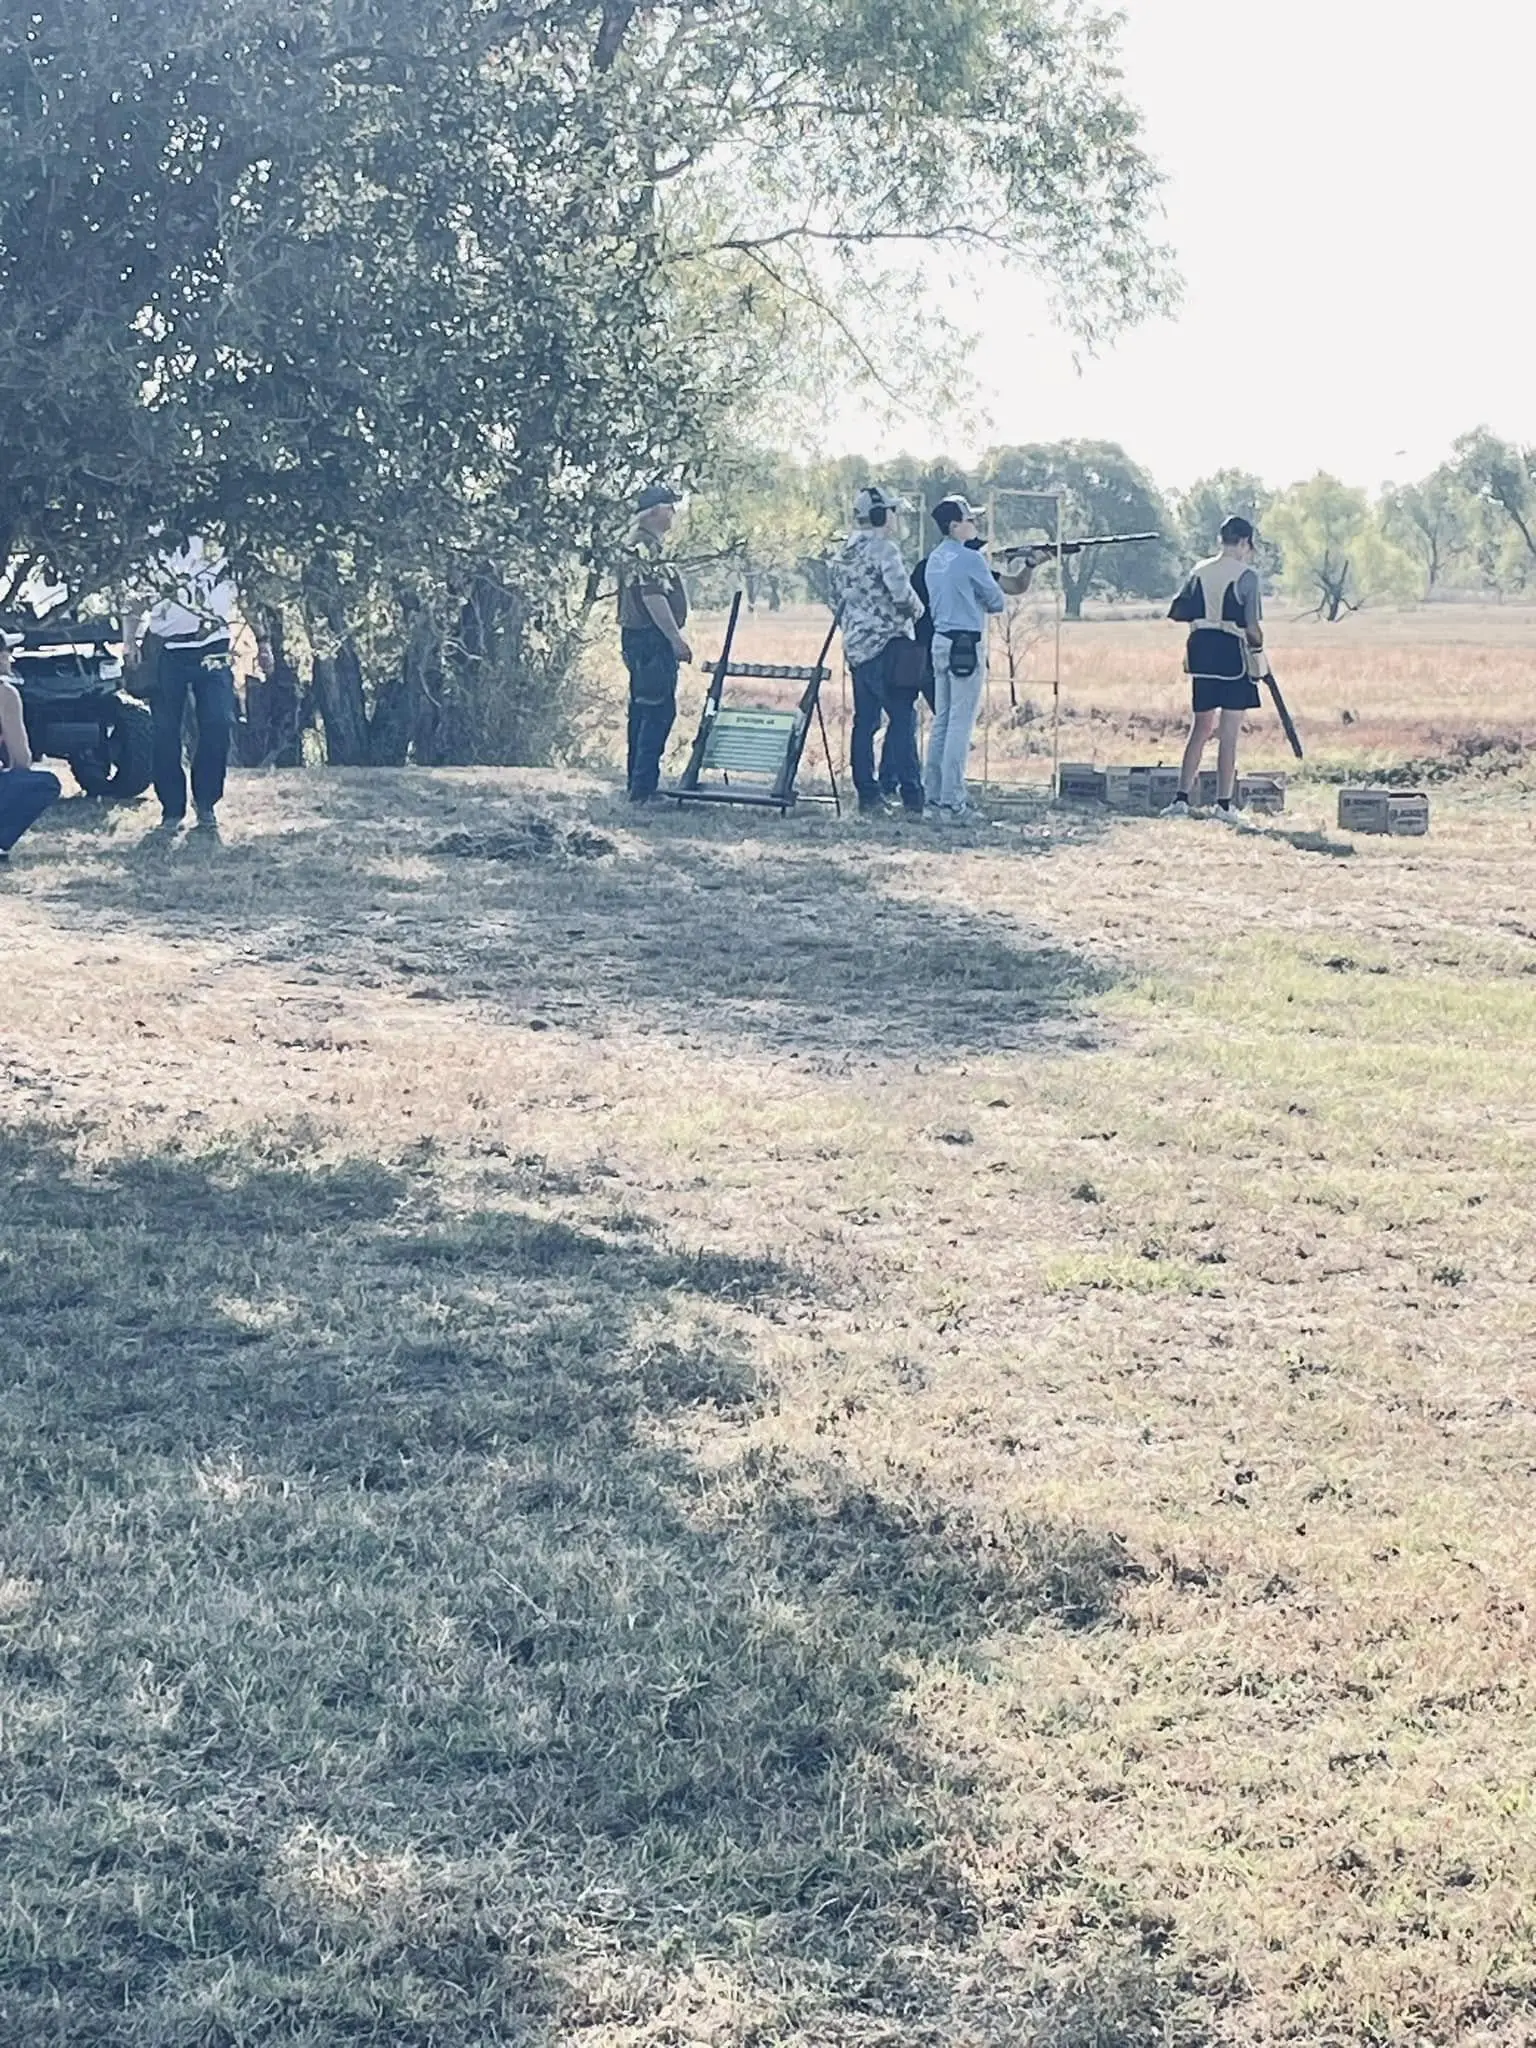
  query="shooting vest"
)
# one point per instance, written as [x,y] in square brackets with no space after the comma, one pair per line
[1218,649]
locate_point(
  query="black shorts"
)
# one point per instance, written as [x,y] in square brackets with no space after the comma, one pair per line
[1212,693]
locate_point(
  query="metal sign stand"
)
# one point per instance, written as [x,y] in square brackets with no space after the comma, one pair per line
[760,745]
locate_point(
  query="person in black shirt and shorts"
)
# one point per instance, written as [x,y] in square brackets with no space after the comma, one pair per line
[1222,606]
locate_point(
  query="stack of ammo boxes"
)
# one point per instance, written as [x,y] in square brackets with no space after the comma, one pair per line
[1142,792]
[1403,813]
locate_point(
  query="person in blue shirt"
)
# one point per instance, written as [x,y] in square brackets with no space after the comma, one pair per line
[963,593]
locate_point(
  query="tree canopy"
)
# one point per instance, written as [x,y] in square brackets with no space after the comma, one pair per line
[1336,557]
[404,297]
[1103,492]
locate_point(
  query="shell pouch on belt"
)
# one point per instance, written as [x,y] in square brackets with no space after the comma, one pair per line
[964,654]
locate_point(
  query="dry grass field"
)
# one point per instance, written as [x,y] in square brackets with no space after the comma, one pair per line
[660,1430]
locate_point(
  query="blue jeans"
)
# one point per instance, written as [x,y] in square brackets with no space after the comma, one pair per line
[25,793]
[652,670]
[206,672]
[876,698]
[868,712]
[901,770]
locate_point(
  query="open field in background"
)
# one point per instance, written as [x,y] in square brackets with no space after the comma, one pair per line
[1377,689]
[682,1430]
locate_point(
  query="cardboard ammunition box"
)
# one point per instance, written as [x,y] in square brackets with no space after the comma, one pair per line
[1262,793]
[1138,790]
[1080,782]
[1162,788]
[1117,788]
[1403,813]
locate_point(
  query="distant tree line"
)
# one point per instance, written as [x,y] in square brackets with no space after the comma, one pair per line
[1328,548]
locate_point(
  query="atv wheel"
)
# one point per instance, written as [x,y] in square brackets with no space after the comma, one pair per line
[123,766]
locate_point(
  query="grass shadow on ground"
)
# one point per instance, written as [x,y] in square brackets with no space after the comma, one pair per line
[374,1665]
[1301,839]
[792,941]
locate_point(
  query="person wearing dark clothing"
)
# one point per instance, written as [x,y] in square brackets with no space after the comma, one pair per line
[25,791]
[916,680]
[188,634]
[653,610]
[924,631]
[1222,606]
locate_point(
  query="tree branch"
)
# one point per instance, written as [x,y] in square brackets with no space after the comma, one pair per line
[618,18]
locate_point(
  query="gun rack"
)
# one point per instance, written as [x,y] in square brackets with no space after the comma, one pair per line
[751,753]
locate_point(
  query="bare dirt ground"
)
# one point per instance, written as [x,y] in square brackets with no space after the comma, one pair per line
[684,1429]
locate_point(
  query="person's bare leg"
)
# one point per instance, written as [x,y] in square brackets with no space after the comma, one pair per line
[1226,756]
[1199,732]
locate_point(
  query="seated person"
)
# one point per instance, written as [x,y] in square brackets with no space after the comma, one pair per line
[25,791]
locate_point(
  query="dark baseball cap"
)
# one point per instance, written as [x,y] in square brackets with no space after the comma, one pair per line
[657,494]
[950,511]
[875,498]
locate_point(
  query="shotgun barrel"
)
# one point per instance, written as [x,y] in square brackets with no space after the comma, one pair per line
[1286,720]
[1047,550]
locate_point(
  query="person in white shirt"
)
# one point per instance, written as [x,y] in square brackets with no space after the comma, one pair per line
[190,623]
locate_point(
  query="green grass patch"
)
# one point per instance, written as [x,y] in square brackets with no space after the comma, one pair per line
[1120,1273]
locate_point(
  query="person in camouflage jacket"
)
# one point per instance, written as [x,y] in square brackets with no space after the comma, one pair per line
[877,612]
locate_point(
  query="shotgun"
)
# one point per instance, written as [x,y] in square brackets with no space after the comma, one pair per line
[1047,550]
[1285,717]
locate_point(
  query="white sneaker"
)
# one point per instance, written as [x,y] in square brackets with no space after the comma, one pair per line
[1228,817]
[1179,808]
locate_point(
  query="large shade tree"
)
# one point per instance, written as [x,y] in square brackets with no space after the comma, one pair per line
[1434,521]
[403,297]
[1102,491]
[1337,558]
[1501,477]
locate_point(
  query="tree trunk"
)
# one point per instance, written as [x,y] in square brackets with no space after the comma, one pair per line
[274,706]
[343,708]
[406,706]
[1334,587]
[495,704]
[1075,584]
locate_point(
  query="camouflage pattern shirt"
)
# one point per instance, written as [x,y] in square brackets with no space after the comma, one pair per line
[873,593]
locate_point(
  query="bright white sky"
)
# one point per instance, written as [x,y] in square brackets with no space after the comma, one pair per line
[1376,157]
